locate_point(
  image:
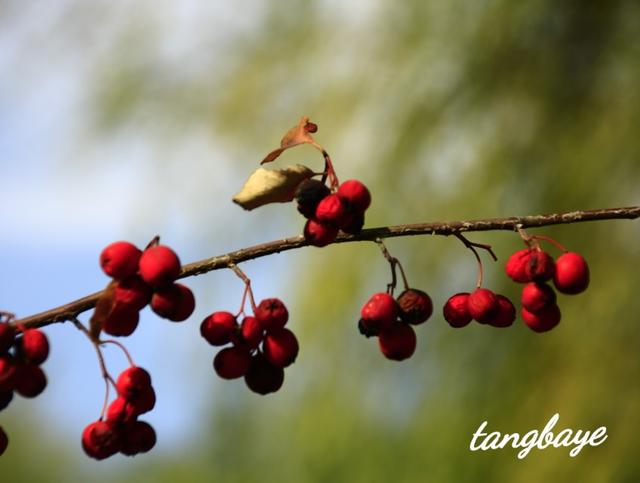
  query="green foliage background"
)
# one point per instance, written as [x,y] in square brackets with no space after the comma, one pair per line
[446,110]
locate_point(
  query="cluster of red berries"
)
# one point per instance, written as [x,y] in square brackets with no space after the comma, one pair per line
[328,212]
[261,347]
[121,431]
[21,354]
[535,267]
[143,277]
[482,305]
[391,321]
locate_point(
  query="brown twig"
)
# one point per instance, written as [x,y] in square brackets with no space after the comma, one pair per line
[514,223]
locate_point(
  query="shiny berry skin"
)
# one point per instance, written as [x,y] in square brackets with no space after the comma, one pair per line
[121,323]
[319,235]
[120,259]
[7,334]
[516,266]
[137,437]
[377,314]
[7,373]
[34,346]
[506,314]
[456,310]
[30,380]
[121,410]
[355,196]
[308,194]
[415,306]
[4,441]
[483,305]
[542,321]
[174,302]
[250,333]
[159,266]
[133,381]
[397,342]
[537,296]
[218,328]
[5,399]
[332,211]
[263,377]
[232,362]
[572,274]
[271,313]
[280,347]
[132,293]
[101,439]
[540,266]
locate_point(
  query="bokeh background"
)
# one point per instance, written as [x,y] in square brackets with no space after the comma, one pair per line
[123,120]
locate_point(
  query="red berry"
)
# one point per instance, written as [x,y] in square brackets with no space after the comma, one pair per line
[537,296]
[5,398]
[415,306]
[250,333]
[121,410]
[7,373]
[133,381]
[308,194]
[516,266]
[4,441]
[355,195]
[121,323]
[332,211]
[30,380]
[506,313]
[262,376]
[319,235]
[218,328]
[456,310]
[483,305]
[572,274]
[398,342]
[7,334]
[354,225]
[280,347]
[542,321]
[143,401]
[174,302]
[120,259]
[137,437]
[540,266]
[34,346]
[131,293]
[378,314]
[159,265]
[272,314]
[232,362]
[101,439]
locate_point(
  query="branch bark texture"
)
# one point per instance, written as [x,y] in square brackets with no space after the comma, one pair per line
[73,309]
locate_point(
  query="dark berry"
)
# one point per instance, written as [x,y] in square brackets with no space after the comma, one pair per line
[415,306]
[572,274]
[483,305]
[250,333]
[542,321]
[174,302]
[120,259]
[280,347]
[218,328]
[354,225]
[137,437]
[271,313]
[232,362]
[7,373]
[319,235]
[121,322]
[540,266]
[159,265]
[308,194]
[30,380]
[354,195]
[262,376]
[506,314]
[5,399]
[4,441]
[101,439]
[7,334]
[537,296]
[456,310]
[397,342]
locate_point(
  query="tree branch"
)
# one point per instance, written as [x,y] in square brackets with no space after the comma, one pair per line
[71,310]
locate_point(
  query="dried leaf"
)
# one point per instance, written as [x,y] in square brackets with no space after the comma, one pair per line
[271,186]
[299,134]
[104,305]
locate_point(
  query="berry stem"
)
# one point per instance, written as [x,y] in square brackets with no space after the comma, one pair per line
[329,172]
[7,316]
[472,246]
[122,347]
[247,289]
[550,240]
[155,241]
[393,263]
